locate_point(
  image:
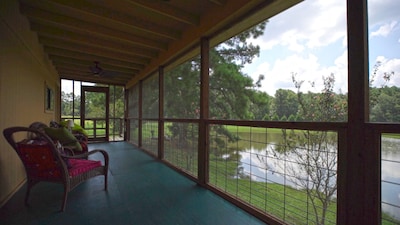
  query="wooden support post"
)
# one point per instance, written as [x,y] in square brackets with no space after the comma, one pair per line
[161,112]
[203,147]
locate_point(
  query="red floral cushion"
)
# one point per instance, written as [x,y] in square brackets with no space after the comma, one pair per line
[40,161]
[79,166]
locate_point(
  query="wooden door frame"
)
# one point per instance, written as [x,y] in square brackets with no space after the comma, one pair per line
[105,90]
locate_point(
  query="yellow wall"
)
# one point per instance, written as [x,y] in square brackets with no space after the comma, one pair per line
[24,71]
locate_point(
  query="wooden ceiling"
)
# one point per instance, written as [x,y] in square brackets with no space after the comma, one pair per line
[122,41]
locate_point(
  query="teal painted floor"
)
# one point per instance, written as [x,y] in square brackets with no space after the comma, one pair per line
[141,191]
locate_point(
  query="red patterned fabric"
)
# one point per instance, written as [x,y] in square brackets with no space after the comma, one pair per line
[79,166]
[40,161]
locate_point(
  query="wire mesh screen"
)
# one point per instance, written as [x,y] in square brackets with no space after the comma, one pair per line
[150,97]
[390,173]
[150,136]
[134,131]
[290,174]
[180,146]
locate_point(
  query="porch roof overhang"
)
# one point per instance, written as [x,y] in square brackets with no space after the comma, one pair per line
[122,41]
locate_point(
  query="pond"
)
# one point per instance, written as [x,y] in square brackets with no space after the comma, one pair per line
[261,162]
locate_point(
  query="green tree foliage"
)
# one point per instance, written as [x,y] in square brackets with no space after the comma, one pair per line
[182,100]
[232,94]
[70,105]
[117,104]
[182,91]
[385,104]
[260,105]
[315,152]
[95,105]
[326,106]
[384,101]
[286,103]
[150,97]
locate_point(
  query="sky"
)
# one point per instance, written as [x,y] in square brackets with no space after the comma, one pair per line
[310,40]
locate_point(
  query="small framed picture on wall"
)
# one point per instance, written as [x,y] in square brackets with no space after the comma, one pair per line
[49,98]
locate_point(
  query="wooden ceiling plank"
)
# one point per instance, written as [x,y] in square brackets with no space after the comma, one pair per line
[86,11]
[218,2]
[86,61]
[92,79]
[97,50]
[86,69]
[88,74]
[75,25]
[72,37]
[86,65]
[79,55]
[168,11]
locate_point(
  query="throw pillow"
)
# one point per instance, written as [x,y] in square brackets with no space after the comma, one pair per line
[64,137]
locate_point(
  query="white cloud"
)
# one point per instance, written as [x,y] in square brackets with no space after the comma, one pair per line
[310,24]
[310,39]
[385,29]
[381,11]
[307,68]
[387,66]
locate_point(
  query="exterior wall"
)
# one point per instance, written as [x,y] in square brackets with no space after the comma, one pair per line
[24,71]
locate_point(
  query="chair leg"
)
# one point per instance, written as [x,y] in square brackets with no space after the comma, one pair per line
[28,190]
[30,184]
[105,181]
[64,203]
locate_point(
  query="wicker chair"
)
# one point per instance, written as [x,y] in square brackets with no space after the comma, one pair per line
[43,161]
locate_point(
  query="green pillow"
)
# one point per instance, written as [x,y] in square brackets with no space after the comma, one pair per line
[75,128]
[64,137]
[79,129]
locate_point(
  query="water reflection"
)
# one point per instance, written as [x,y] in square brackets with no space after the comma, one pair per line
[261,163]
[391,176]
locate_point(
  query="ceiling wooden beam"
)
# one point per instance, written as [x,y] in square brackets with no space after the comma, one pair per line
[92,79]
[94,50]
[71,24]
[167,11]
[83,56]
[93,41]
[86,66]
[86,69]
[86,11]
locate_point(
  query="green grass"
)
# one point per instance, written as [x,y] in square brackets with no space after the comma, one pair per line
[239,129]
[281,201]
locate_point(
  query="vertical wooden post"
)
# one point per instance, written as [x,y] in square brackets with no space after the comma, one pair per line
[358,200]
[161,112]
[203,147]
[127,122]
[140,112]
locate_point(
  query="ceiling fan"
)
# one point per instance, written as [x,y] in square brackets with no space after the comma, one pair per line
[96,70]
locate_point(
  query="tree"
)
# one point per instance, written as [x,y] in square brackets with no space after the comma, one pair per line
[385,104]
[286,103]
[384,100]
[260,105]
[314,153]
[232,94]
[70,105]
